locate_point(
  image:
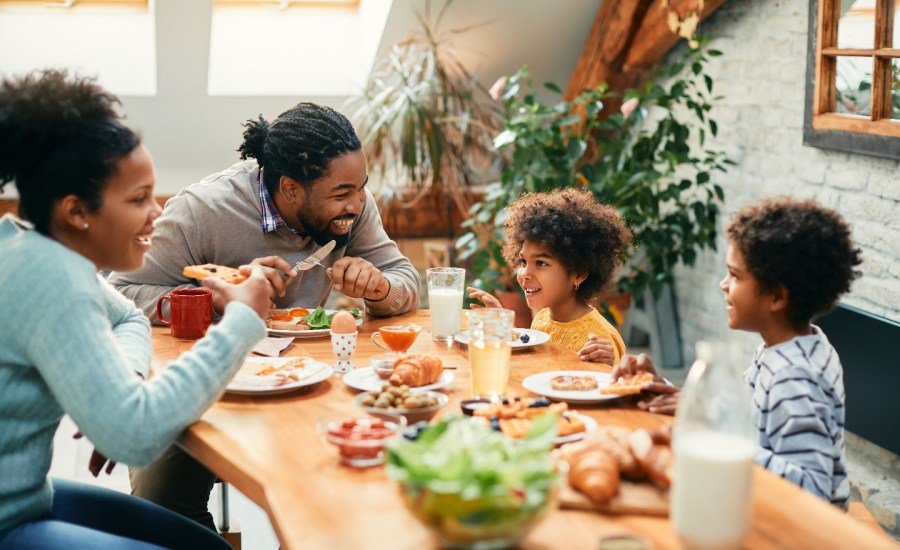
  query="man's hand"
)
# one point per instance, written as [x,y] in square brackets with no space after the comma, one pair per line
[597,350]
[272,268]
[255,292]
[97,461]
[358,278]
[487,299]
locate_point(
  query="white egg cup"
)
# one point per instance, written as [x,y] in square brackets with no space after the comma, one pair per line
[344,346]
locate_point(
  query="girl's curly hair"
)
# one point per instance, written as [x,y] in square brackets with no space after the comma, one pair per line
[586,236]
[798,244]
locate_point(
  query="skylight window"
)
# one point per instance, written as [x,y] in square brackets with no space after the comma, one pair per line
[114,40]
[306,48]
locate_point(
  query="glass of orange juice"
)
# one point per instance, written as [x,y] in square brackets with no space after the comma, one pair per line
[396,338]
[489,350]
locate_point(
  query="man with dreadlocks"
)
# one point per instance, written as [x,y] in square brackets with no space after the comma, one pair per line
[301,184]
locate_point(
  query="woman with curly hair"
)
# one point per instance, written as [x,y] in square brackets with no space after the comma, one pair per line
[72,344]
[788,263]
[566,247]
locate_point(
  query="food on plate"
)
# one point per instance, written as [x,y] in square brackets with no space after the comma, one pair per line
[360,441]
[599,461]
[416,370]
[628,385]
[513,417]
[573,383]
[397,397]
[227,274]
[276,373]
[299,318]
[471,484]
[343,322]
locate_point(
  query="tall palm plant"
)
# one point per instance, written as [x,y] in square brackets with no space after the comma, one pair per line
[426,123]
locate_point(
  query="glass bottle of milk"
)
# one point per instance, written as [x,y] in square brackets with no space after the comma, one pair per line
[714,445]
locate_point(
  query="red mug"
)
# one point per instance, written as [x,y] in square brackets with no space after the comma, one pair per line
[191,312]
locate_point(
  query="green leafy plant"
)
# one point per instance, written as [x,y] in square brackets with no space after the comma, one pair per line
[650,161]
[427,124]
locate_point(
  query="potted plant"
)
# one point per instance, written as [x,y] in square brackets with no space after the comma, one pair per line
[651,161]
[426,122]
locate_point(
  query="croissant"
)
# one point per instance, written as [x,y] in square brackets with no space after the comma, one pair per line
[416,370]
[614,440]
[595,473]
[655,459]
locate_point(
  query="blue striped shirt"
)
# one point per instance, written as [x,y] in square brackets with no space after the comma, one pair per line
[798,401]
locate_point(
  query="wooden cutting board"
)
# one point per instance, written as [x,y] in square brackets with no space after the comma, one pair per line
[633,498]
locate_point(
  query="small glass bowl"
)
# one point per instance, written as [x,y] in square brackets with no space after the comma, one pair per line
[383,365]
[412,415]
[360,441]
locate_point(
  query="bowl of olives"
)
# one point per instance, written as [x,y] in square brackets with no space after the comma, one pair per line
[415,406]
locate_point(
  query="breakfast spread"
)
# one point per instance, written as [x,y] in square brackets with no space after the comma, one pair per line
[573,383]
[416,370]
[227,274]
[513,417]
[608,455]
[298,319]
[628,385]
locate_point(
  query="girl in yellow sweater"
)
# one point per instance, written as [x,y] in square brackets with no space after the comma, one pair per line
[566,247]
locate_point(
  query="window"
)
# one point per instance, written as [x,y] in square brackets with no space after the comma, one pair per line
[114,40]
[853,76]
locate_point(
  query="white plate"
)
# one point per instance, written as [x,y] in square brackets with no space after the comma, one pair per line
[366,379]
[540,384]
[311,333]
[244,382]
[589,425]
[535,338]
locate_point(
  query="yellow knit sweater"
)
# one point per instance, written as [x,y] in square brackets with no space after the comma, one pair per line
[573,335]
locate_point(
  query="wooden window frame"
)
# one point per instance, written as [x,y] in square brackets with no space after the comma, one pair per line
[876,134]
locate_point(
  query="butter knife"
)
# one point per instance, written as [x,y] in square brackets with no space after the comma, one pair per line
[315,259]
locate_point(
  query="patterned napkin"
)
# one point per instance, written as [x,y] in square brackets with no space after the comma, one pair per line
[272,346]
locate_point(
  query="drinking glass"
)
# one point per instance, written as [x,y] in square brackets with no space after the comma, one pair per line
[489,351]
[445,300]
[396,338]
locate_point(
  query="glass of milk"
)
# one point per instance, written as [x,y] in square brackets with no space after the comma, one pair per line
[445,300]
[714,445]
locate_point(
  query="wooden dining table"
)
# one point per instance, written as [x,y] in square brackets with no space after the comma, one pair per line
[268,447]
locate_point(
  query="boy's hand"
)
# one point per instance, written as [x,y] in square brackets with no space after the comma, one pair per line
[664,403]
[631,365]
[487,299]
[597,350]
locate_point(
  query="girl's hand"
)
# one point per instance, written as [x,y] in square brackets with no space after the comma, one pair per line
[597,350]
[255,292]
[631,365]
[487,299]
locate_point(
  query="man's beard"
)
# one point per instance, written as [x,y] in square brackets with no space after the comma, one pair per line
[320,236]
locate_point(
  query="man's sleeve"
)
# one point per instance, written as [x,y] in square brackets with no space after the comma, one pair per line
[172,250]
[370,242]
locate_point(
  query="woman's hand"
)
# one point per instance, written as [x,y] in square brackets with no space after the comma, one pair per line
[256,292]
[486,298]
[97,461]
[597,350]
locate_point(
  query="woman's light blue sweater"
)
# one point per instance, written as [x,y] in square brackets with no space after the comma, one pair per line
[70,344]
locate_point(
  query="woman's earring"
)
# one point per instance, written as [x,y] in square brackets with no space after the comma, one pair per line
[87,226]
[577,285]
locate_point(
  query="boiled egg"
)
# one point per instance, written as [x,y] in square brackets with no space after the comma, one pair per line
[343,322]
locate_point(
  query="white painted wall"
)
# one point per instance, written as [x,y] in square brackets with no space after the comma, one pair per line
[192,134]
[762,76]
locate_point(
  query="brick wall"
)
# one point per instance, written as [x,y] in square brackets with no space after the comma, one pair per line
[762,76]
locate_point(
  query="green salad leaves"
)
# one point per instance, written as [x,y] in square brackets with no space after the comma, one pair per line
[319,318]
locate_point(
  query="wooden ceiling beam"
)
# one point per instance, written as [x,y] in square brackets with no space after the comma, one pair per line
[654,38]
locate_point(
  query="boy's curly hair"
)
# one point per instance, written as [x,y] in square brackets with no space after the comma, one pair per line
[586,236]
[801,245]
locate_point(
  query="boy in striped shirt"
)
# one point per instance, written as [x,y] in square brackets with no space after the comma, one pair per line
[788,263]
